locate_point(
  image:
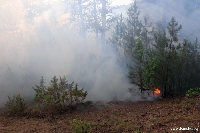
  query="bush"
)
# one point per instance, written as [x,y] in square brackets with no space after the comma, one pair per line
[16,105]
[80,126]
[192,92]
[137,131]
[58,95]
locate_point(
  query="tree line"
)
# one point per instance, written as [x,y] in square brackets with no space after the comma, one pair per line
[156,58]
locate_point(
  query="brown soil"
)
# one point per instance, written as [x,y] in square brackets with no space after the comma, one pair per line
[150,117]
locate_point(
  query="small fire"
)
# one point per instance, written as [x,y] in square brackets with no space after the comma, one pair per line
[156,91]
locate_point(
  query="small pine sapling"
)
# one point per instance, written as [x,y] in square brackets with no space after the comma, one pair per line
[59,94]
[16,105]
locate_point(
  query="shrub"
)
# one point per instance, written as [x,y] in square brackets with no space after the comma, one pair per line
[58,95]
[80,126]
[16,105]
[137,131]
[192,92]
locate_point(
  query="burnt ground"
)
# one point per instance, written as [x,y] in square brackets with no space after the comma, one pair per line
[147,116]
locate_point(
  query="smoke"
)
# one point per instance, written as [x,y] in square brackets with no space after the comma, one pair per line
[161,11]
[185,12]
[35,42]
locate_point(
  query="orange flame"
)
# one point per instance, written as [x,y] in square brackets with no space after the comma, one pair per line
[156,91]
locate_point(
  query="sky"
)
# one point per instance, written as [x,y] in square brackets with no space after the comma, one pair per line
[121,2]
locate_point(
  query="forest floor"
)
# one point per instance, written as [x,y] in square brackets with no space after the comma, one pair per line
[160,116]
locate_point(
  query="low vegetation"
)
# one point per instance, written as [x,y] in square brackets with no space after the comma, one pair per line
[137,117]
[59,94]
[79,126]
[57,97]
[15,105]
[158,116]
[192,92]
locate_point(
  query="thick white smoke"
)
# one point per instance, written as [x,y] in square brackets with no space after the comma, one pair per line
[35,41]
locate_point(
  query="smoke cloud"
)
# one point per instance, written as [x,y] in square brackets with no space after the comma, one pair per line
[185,12]
[35,42]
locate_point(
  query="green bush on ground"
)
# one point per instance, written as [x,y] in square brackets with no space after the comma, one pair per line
[15,105]
[192,92]
[80,126]
[59,94]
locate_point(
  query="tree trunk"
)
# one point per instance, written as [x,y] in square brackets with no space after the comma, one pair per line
[82,32]
[95,19]
[103,20]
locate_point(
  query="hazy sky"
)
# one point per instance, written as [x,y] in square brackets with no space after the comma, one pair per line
[121,2]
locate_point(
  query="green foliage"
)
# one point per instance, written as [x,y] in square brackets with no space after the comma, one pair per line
[137,131]
[16,105]
[120,125]
[160,60]
[192,92]
[136,72]
[80,126]
[133,36]
[173,29]
[58,95]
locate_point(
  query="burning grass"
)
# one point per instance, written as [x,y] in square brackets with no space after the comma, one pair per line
[146,116]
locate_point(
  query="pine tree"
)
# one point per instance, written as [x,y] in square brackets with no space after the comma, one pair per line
[160,61]
[134,38]
[77,15]
[119,34]
[136,72]
[133,29]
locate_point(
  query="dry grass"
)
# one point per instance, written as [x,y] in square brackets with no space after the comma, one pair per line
[150,117]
